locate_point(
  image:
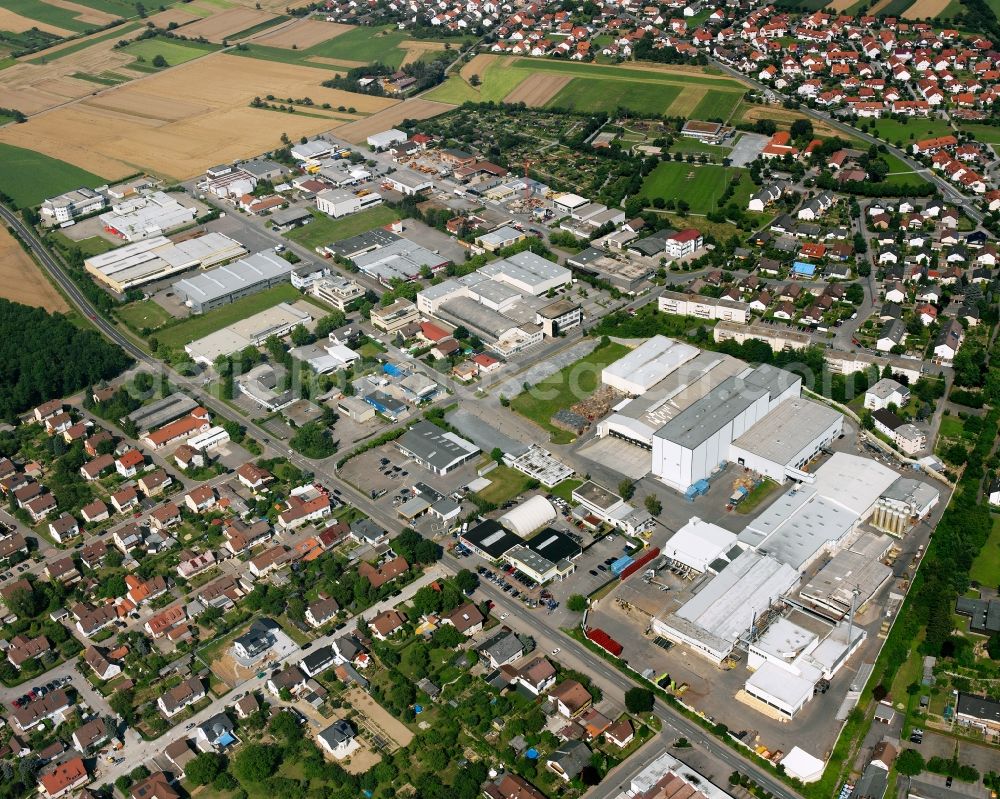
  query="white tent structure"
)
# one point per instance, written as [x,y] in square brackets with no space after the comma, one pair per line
[529,516]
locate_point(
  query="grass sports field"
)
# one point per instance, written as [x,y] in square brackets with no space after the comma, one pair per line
[174,52]
[701,186]
[565,388]
[28,177]
[324,230]
[198,326]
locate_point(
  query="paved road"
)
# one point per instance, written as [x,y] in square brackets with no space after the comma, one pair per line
[947,189]
[533,621]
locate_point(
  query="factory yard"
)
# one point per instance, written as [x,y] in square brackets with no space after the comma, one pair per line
[178,123]
[416,108]
[21,279]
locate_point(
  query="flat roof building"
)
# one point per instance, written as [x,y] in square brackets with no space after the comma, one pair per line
[157,257]
[147,215]
[702,546]
[646,365]
[712,621]
[227,284]
[784,441]
[528,272]
[489,540]
[251,332]
[694,443]
[435,449]
[161,411]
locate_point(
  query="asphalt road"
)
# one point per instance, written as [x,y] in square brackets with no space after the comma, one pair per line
[529,621]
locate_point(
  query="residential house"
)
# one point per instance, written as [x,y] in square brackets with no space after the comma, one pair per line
[570,698]
[467,619]
[322,611]
[386,623]
[537,676]
[64,528]
[22,649]
[290,678]
[164,516]
[154,482]
[91,734]
[337,740]
[63,778]
[569,760]
[129,464]
[181,696]
[103,668]
[200,498]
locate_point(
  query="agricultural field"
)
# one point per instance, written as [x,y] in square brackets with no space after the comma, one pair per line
[229,24]
[74,17]
[198,326]
[700,185]
[29,177]
[175,52]
[414,108]
[356,46]
[68,48]
[21,279]
[180,121]
[658,89]
[302,34]
[324,229]
[596,94]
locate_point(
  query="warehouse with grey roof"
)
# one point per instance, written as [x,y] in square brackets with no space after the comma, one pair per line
[229,283]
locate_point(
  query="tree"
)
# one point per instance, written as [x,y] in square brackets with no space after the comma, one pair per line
[626,489]
[577,603]
[256,762]
[314,440]
[285,727]
[497,454]
[466,581]
[910,762]
[159,61]
[474,80]
[801,129]
[639,700]
[204,768]
[653,505]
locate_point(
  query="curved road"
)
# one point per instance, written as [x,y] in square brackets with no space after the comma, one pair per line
[948,190]
[529,621]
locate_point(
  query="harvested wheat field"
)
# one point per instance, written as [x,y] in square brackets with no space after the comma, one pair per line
[15,23]
[877,7]
[177,123]
[336,62]
[177,14]
[536,90]
[840,5]
[783,116]
[34,88]
[84,14]
[925,8]
[415,49]
[478,65]
[21,279]
[302,33]
[687,101]
[218,26]
[357,132]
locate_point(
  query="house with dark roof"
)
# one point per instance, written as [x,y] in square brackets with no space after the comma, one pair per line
[569,760]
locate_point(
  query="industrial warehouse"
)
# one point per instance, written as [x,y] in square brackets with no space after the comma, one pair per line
[504,302]
[227,284]
[158,257]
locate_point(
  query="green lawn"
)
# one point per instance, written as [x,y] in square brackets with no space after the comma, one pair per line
[324,229]
[701,185]
[685,145]
[716,105]
[143,314]
[987,134]
[506,484]
[986,567]
[198,326]
[260,26]
[913,130]
[951,427]
[174,52]
[628,73]
[565,388]
[565,490]
[28,177]
[900,174]
[496,83]
[94,245]
[590,94]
